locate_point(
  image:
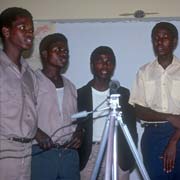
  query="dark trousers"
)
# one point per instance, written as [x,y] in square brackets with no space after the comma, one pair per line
[153,144]
[55,164]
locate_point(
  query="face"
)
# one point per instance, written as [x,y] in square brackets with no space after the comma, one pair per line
[103,67]
[20,34]
[163,42]
[58,54]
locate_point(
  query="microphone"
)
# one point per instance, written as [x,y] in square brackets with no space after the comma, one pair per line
[80,114]
[114,86]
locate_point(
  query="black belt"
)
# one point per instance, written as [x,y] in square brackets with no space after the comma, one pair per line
[21,140]
[156,125]
[96,142]
[59,146]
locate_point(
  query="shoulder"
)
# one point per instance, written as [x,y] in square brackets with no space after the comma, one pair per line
[38,74]
[124,91]
[147,69]
[84,89]
[41,78]
[67,82]
[30,71]
[148,66]
[69,86]
[176,61]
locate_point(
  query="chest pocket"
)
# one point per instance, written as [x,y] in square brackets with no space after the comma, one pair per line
[10,91]
[149,91]
[10,99]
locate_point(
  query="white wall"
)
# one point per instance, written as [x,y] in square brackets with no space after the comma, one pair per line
[130,41]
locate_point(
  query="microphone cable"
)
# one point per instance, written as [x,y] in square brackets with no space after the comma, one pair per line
[30,146]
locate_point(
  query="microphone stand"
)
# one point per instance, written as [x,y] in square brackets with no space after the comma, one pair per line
[101,152]
[110,160]
[110,138]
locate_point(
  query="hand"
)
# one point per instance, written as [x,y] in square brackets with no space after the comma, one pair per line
[43,140]
[168,157]
[76,140]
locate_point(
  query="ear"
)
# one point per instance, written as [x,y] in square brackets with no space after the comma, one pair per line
[92,68]
[5,32]
[175,42]
[44,54]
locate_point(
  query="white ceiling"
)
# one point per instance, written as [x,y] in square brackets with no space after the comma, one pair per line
[62,10]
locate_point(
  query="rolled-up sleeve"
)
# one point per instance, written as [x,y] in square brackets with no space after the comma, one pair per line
[137,95]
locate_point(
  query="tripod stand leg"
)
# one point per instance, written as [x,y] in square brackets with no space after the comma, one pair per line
[109,157]
[101,151]
[115,153]
[112,153]
[133,148]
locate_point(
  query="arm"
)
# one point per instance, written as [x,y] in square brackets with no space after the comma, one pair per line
[169,154]
[76,140]
[43,140]
[148,114]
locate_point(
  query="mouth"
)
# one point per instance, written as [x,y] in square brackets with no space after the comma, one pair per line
[29,41]
[160,50]
[104,72]
[62,59]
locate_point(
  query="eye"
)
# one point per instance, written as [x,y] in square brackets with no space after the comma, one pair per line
[21,27]
[25,28]
[55,49]
[59,50]
[109,62]
[99,61]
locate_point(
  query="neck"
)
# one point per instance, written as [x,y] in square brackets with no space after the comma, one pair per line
[165,61]
[51,72]
[54,76]
[100,85]
[14,56]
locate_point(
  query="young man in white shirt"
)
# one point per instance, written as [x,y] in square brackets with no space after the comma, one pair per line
[156,98]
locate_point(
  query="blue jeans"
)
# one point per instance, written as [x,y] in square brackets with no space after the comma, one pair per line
[153,144]
[55,164]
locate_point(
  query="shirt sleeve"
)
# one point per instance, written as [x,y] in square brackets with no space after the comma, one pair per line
[137,95]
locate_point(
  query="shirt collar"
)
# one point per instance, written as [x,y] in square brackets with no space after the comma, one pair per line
[6,62]
[175,61]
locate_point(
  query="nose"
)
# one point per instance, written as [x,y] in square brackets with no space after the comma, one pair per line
[29,32]
[105,65]
[160,41]
[63,52]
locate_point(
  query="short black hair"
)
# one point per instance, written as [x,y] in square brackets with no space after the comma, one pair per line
[102,50]
[47,41]
[9,15]
[166,25]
